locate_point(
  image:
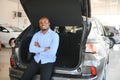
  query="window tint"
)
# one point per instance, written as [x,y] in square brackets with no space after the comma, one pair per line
[2,29]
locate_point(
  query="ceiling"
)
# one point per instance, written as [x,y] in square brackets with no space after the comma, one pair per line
[105,7]
[102,7]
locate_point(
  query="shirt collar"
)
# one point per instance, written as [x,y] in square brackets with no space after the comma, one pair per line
[49,30]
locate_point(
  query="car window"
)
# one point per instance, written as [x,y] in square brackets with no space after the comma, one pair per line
[2,29]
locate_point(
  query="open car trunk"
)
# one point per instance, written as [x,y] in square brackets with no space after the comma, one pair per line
[66,19]
[69,47]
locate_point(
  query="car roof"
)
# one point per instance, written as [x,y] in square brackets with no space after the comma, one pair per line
[60,12]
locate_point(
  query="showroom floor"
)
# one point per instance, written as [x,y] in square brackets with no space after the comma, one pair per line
[4,64]
[112,74]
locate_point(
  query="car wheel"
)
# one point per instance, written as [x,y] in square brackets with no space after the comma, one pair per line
[11,41]
[112,42]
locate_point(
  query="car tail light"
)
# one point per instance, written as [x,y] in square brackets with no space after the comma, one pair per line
[91,48]
[89,71]
[12,62]
[93,71]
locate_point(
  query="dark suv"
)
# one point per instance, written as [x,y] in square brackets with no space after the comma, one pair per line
[82,53]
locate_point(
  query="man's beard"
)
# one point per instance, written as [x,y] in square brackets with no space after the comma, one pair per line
[44,29]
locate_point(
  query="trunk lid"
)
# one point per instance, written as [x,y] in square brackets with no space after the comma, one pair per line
[60,12]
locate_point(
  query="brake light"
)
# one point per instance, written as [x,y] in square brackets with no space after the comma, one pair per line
[12,62]
[93,71]
[91,48]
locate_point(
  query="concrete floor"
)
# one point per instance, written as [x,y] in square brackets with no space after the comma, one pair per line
[112,73]
[114,65]
[4,64]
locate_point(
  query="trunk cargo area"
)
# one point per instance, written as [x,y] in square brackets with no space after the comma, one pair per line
[69,47]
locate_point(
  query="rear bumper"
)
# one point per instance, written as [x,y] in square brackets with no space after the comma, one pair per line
[17,74]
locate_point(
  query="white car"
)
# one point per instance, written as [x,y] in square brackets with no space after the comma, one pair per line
[8,33]
[115,35]
[114,40]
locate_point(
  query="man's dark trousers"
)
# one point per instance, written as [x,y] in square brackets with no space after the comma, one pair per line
[45,71]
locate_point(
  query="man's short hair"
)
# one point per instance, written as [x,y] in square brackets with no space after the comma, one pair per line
[44,17]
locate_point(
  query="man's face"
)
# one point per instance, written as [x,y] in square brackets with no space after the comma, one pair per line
[44,24]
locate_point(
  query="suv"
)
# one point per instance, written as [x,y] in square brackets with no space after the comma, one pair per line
[83,49]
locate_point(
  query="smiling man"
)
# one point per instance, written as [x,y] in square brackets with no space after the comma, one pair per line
[44,44]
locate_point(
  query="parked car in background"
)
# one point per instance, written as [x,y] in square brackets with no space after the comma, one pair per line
[115,35]
[83,52]
[111,29]
[7,34]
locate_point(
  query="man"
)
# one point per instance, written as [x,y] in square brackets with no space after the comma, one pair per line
[44,44]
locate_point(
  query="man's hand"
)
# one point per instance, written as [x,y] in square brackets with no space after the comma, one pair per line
[46,48]
[36,44]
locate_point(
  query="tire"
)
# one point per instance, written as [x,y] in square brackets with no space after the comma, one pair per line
[112,42]
[10,41]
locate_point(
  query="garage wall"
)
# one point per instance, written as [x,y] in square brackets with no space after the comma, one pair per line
[107,11]
[105,7]
[8,14]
